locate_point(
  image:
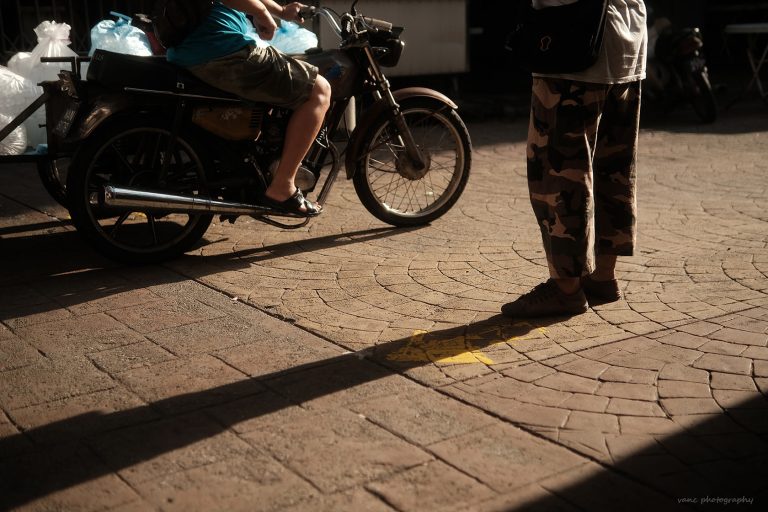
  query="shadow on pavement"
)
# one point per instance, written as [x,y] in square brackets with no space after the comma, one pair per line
[54,268]
[720,456]
[302,246]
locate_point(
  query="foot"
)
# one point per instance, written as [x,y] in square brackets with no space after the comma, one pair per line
[546,299]
[600,292]
[295,204]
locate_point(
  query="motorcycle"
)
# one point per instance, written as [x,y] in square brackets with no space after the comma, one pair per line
[677,71]
[159,153]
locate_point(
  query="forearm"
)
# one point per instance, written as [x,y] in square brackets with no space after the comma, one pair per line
[273,7]
[254,7]
[261,8]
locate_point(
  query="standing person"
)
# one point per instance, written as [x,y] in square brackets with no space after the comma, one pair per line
[581,152]
[221,53]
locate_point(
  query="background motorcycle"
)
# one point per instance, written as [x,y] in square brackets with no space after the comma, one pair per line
[160,152]
[677,71]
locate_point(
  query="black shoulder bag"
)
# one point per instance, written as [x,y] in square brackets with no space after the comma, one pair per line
[560,39]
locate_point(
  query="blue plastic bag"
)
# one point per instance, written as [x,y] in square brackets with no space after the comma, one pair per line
[291,38]
[120,37]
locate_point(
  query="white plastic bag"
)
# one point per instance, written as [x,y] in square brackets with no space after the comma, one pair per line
[52,41]
[119,36]
[16,94]
[16,141]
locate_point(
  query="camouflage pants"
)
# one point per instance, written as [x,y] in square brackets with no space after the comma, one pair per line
[582,147]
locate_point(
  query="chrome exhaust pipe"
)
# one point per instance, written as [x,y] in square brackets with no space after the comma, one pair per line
[146,200]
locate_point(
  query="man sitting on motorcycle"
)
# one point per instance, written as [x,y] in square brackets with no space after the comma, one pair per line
[221,53]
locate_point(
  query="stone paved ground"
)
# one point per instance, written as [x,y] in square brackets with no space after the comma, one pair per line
[380,377]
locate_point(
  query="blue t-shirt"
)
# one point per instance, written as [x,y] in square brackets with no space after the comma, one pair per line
[225,31]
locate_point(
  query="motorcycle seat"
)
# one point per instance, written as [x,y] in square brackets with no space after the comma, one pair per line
[154,73]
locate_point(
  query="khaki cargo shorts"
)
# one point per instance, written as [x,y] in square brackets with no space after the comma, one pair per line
[263,75]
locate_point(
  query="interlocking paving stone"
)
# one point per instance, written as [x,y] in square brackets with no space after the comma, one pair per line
[731,381]
[504,457]
[431,486]
[355,499]
[252,481]
[629,391]
[725,364]
[588,489]
[531,498]
[589,403]
[676,371]
[592,422]
[638,425]
[677,406]
[185,384]
[95,412]
[79,335]
[66,476]
[48,380]
[629,375]
[423,417]
[625,407]
[152,451]
[741,337]
[672,389]
[337,450]
[17,353]
[571,383]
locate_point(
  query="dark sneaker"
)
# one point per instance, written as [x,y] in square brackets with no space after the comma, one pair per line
[600,292]
[546,299]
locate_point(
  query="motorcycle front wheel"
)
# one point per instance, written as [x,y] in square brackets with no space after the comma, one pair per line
[701,96]
[388,184]
[135,154]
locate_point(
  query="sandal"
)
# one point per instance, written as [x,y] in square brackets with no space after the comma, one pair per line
[293,205]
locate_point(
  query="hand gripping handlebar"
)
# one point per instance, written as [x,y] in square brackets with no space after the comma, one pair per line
[373,23]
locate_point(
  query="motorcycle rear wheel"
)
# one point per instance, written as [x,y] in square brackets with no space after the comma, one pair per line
[389,186]
[52,173]
[132,154]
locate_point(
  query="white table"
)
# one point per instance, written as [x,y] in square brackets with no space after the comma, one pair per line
[753,31]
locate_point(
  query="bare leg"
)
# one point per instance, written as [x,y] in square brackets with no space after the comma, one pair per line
[568,285]
[303,127]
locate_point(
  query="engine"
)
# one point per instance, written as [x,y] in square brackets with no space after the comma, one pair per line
[230,122]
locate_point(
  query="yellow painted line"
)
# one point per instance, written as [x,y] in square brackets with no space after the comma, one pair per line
[424,347]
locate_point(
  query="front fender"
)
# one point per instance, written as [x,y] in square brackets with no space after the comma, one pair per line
[365,124]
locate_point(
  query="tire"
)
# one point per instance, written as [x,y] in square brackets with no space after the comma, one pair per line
[702,97]
[129,153]
[390,189]
[53,175]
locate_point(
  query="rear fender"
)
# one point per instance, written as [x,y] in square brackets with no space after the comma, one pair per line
[364,126]
[106,107]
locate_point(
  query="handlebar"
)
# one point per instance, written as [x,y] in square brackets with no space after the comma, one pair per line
[377,24]
[368,22]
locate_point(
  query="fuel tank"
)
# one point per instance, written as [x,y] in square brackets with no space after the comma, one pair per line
[338,68]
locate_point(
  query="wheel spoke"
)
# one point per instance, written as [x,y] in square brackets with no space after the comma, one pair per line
[152,227]
[120,221]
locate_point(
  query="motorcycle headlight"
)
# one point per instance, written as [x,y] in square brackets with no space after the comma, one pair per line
[387,47]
